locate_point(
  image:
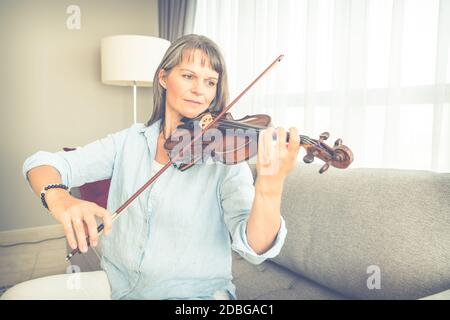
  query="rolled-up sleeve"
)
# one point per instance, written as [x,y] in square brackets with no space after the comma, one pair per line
[92,162]
[237,193]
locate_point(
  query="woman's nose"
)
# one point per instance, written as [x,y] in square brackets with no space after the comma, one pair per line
[198,87]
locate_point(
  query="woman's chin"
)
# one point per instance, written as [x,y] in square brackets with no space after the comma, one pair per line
[193,113]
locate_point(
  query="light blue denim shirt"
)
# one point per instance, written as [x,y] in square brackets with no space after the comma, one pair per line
[173,241]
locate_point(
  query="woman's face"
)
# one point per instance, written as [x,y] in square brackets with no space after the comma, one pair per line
[190,87]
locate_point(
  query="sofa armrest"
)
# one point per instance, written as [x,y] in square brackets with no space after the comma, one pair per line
[443,295]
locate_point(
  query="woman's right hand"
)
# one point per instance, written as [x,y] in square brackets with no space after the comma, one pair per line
[78,218]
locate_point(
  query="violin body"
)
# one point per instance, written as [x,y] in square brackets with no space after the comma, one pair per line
[221,142]
[231,141]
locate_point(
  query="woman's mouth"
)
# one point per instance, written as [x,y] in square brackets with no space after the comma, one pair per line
[193,102]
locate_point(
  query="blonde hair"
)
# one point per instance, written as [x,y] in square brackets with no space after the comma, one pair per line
[174,56]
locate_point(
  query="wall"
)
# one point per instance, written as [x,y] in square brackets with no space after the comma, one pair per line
[51,95]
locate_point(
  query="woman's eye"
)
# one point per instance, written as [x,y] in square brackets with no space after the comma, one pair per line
[211,83]
[187,76]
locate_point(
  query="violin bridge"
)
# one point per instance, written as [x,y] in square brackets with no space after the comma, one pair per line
[205,120]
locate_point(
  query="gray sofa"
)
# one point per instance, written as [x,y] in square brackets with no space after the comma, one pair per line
[353,234]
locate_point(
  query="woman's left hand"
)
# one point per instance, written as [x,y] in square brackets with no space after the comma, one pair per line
[275,159]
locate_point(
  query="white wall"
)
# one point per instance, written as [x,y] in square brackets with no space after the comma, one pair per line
[51,95]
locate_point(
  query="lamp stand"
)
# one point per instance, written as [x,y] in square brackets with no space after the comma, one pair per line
[134,101]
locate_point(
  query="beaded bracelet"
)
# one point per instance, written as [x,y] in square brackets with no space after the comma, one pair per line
[48,187]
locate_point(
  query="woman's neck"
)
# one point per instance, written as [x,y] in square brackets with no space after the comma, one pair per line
[171,122]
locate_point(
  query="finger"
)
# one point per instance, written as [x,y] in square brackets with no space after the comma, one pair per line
[261,147]
[92,229]
[281,139]
[68,231]
[78,225]
[268,143]
[294,140]
[106,217]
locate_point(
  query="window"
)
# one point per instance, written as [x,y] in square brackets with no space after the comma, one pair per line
[375,73]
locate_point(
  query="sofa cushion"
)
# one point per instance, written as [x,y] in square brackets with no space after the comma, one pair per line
[344,224]
[268,281]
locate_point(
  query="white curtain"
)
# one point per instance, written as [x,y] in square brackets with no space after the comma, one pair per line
[375,73]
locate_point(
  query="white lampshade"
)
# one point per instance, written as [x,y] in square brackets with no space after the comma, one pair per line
[129,60]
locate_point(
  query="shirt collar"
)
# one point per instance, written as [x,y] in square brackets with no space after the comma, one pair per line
[151,133]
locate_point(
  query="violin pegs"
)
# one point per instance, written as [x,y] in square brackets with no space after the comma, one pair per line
[324,168]
[324,135]
[338,142]
[308,158]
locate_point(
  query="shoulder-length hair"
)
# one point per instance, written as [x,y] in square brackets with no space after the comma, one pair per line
[174,55]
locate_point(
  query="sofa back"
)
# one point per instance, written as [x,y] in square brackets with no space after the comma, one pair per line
[368,233]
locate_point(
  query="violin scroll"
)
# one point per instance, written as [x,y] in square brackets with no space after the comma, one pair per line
[340,156]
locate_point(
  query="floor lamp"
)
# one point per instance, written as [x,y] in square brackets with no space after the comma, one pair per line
[131,60]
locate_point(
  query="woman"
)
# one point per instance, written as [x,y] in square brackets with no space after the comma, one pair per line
[174,240]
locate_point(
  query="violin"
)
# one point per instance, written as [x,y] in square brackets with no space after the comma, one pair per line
[235,141]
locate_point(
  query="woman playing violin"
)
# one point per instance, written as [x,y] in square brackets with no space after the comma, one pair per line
[174,241]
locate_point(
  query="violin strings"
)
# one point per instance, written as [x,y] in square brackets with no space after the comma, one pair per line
[303,139]
[232,124]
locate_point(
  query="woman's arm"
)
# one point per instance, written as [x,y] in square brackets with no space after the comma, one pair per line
[274,162]
[41,176]
[264,221]
[93,162]
[76,216]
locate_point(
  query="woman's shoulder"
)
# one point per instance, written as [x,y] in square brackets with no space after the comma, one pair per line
[137,129]
[134,128]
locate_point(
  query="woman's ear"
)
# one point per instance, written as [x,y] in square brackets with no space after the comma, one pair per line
[162,78]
